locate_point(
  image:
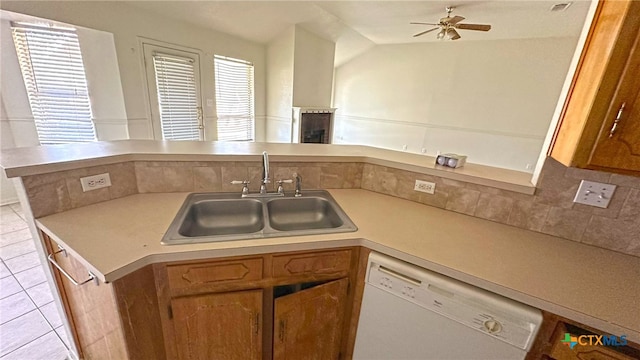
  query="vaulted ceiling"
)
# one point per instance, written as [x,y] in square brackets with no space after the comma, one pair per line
[354,24]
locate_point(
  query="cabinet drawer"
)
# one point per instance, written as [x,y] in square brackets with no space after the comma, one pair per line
[311,264]
[214,273]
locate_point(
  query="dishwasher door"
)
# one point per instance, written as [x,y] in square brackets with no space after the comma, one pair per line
[411,313]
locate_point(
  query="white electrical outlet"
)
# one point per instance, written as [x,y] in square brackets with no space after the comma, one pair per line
[594,194]
[425,186]
[95,182]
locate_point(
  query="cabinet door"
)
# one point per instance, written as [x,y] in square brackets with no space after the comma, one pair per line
[618,143]
[219,326]
[308,324]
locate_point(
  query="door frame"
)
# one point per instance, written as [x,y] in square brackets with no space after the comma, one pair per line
[147,48]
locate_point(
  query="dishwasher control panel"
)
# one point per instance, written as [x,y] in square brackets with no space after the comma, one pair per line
[495,315]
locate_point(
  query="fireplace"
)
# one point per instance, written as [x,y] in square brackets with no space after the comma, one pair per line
[312,125]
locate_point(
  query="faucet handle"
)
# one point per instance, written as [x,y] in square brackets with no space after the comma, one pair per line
[280,182]
[244,183]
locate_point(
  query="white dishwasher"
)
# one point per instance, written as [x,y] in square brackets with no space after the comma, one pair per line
[412,313]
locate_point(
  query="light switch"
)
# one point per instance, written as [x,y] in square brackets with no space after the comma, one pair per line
[594,194]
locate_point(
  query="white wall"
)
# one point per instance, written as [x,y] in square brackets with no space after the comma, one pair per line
[128,25]
[299,73]
[8,193]
[280,54]
[103,80]
[13,94]
[490,100]
[312,70]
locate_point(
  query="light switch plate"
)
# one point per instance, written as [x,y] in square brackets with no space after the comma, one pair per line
[594,193]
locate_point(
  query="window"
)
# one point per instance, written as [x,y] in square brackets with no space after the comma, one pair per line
[53,73]
[234,99]
[178,99]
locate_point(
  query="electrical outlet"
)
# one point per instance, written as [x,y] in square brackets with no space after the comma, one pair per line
[95,182]
[594,194]
[425,187]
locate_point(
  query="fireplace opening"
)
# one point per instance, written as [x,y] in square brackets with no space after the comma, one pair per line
[315,128]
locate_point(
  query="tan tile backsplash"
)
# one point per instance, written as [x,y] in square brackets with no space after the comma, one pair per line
[56,192]
[551,210]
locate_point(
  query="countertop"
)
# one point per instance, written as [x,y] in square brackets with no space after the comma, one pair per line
[597,287]
[43,159]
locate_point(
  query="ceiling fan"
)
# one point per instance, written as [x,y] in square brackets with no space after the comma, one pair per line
[448,26]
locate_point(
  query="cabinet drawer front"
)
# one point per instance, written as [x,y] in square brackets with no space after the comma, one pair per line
[323,263]
[213,273]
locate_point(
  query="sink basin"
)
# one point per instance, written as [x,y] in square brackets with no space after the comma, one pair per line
[222,217]
[302,213]
[209,217]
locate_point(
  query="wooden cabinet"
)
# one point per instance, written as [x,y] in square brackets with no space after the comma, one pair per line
[275,306]
[308,324]
[107,320]
[618,144]
[551,342]
[218,326]
[294,305]
[606,79]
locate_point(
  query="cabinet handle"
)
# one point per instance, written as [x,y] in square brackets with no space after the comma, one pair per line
[66,274]
[257,323]
[281,331]
[614,127]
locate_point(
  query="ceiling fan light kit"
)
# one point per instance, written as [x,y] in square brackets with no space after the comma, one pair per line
[448,26]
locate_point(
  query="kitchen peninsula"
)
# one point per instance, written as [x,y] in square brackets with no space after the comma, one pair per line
[116,231]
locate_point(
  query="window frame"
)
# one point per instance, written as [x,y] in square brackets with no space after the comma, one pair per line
[57,120]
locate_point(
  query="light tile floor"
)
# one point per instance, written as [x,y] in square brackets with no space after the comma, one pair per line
[30,325]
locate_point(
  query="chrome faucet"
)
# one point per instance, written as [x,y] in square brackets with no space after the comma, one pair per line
[265,173]
[265,180]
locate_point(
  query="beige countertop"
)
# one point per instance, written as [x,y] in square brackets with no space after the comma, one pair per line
[591,285]
[43,159]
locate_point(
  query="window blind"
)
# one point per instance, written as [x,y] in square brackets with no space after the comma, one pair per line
[234,99]
[51,64]
[178,97]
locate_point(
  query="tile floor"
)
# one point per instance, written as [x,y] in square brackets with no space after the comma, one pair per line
[30,326]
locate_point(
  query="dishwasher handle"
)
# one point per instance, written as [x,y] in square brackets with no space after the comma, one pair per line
[399,275]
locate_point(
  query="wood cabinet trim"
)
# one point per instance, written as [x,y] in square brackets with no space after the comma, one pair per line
[213,273]
[311,264]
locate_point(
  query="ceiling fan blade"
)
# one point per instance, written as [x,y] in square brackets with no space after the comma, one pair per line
[421,23]
[478,27]
[453,34]
[424,32]
[456,19]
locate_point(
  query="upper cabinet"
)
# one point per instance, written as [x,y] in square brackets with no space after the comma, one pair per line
[600,124]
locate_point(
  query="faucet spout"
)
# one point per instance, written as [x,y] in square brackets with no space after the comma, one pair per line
[265,172]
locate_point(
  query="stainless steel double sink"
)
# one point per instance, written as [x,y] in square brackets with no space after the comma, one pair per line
[212,217]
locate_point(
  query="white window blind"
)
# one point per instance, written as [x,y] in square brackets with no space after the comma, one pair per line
[53,73]
[180,116]
[234,99]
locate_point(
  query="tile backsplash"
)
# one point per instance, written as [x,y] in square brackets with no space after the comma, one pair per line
[550,210]
[60,191]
